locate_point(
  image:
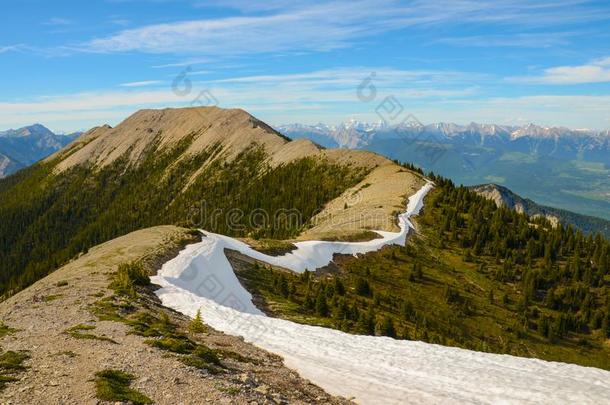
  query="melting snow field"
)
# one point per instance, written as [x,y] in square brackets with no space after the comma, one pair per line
[373,370]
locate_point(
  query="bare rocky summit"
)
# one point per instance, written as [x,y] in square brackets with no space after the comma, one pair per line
[371,204]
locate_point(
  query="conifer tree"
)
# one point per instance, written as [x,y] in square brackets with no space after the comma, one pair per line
[196,325]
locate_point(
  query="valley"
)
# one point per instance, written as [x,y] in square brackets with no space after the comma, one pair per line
[86,194]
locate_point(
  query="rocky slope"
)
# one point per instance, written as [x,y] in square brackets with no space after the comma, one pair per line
[8,165]
[502,196]
[61,366]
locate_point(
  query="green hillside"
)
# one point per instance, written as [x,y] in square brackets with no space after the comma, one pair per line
[475,276]
[46,219]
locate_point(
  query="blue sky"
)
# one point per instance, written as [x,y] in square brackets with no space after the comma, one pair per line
[73,65]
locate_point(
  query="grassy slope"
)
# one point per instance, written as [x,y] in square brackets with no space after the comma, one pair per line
[429,292]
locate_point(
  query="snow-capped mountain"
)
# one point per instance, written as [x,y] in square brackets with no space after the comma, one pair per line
[24,146]
[450,130]
[555,141]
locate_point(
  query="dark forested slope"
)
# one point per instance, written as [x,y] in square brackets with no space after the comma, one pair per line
[475,275]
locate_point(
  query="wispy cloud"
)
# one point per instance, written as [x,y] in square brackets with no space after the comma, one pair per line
[187,62]
[572,111]
[81,103]
[249,6]
[119,21]
[58,22]
[519,12]
[9,48]
[314,28]
[323,26]
[596,71]
[527,40]
[143,83]
[349,78]
[95,108]
[330,90]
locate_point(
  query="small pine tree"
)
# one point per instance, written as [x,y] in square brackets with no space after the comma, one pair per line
[606,326]
[339,287]
[407,310]
[321,304]
[370,322]
[418,271]
[363,287]
[387,327]
[197,325]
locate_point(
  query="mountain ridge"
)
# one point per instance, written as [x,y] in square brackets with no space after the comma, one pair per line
[451,128]
[197,167]
[356,134]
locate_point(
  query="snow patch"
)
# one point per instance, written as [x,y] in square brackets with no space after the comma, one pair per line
[374,370]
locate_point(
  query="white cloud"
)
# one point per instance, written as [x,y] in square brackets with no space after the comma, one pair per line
[87,101]
[58,22]
[311,28]
[253,6]
[325,95]
[597,71]
[520,12]
[143,83]
[602,61]
[332,90]
[74,111]
[10,48]
[351,77]
[188,62]
[121,22]
[322,26]
[539,40]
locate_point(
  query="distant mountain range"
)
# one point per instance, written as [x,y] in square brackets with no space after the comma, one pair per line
[22,147]
[555,166]
[544,141]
